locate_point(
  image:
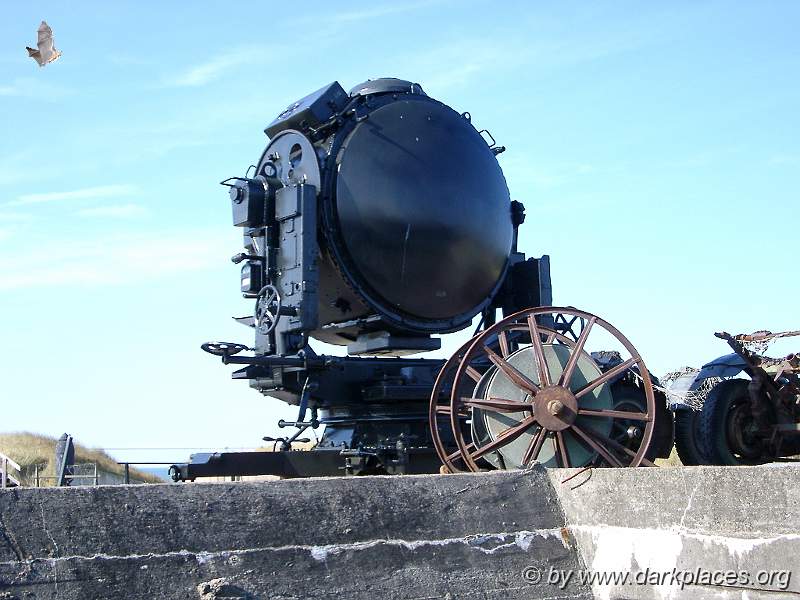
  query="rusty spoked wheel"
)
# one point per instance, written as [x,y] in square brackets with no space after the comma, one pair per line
[439,420]
[546,399]
[439,411]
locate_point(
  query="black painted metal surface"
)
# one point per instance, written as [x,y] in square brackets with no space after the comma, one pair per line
[423,209]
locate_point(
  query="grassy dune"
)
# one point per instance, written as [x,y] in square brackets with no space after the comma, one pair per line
[29,449]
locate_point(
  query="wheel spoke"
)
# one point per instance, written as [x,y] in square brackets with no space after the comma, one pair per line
[596,447]
[562,449]
[566,375]
[447,411]
[457,453]
[497,404]
[503,339]
[506,437]
[617,446]
[617,414]
[532,453]
[520,380]
[538,351]
[474,373]
[610,374]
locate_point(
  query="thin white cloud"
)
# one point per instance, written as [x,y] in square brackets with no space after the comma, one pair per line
[13,223]
[128,60]
[380,11]
[449,63]
[333,21]
[784,159]
[15,217]
[217,66]
[23,165]
[102,191]
[37,89]
[118,211]
[113,260]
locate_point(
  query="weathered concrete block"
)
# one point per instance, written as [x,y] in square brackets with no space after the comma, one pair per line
[692,532]
[459,536]
[489,535]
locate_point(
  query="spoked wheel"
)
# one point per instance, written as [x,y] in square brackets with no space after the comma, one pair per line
[543,398]
[439,412]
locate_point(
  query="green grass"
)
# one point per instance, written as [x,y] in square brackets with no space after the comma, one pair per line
[29,449]
[672,461]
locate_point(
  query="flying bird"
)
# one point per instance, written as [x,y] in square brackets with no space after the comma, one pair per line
[46,52]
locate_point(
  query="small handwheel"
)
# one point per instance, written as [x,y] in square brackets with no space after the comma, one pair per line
[548,402]
[223,348]
[268,309]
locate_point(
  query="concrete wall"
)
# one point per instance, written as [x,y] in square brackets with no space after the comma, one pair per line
[695,523]
[491,535]
[459,536]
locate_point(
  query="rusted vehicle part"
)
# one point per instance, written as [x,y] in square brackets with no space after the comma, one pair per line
[543,400]
[755,421]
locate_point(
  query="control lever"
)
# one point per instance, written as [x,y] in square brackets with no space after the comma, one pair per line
[302,424]
[286,443]
[237,258]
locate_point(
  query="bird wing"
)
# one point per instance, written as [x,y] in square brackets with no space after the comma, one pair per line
[44,33]
[46,44]
[36,55]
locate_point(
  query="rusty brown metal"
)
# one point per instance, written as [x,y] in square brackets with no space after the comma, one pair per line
[497,404]
[440,414]
[537,441]
[513,374]
[555,406]
[566,375]
[774,397]
[761,336]
[536,342]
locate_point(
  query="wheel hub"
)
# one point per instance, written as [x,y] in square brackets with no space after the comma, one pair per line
[743,432]
[555,408]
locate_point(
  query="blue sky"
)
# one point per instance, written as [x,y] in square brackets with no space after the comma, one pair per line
[655,146]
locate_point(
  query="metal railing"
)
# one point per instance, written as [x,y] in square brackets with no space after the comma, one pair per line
[127,468]
[93,475]
[6,479]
